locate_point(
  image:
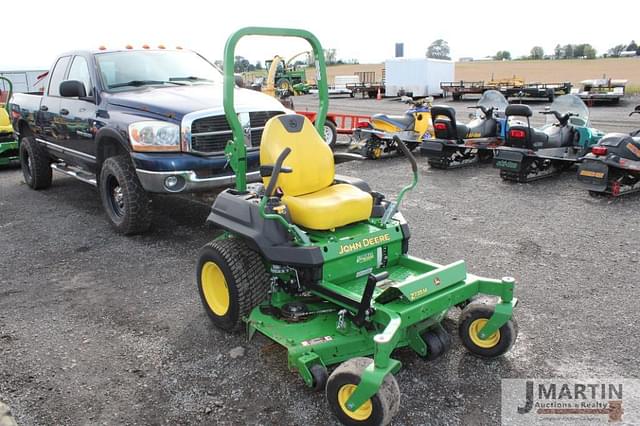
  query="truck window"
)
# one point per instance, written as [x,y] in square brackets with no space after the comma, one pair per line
[80,71]
[58,75]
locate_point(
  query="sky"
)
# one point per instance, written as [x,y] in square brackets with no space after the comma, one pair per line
[365,30]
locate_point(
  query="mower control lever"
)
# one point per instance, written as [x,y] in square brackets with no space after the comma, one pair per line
[365,310]
[277,168]
[266,170]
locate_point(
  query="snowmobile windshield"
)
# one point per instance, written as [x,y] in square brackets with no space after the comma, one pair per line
[572,104]
[493,99]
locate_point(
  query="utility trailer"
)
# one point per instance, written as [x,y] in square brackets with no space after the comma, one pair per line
[601,90]
[368,84]
[416,77]
[512,87]
[457,89]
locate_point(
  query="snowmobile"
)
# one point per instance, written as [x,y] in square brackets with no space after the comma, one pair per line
[530,154]
[456,144]
[613,165]
[376,138]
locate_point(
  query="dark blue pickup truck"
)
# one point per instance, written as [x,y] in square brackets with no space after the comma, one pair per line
[134,122]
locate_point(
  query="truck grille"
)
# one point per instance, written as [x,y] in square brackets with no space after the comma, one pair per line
[210,134]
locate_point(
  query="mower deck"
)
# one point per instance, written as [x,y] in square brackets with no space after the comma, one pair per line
[8,152]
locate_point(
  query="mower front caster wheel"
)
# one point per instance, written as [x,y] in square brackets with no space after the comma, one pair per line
[438,342]
[232,280]
[378,410]
[320,375]
[474,317]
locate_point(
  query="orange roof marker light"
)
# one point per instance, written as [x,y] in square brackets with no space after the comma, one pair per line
[128,46]
[145,46]
[102,48]
[161,46]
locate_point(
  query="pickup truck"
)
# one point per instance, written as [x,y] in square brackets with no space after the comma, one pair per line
[133,122]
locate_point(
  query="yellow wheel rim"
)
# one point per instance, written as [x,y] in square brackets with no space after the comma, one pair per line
[214,288]
[362,413]
[474,334]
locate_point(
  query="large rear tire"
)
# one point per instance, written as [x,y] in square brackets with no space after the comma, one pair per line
[35,164]
[232,280]
[125,201]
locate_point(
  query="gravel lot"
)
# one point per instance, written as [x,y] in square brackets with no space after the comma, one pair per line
[96,328]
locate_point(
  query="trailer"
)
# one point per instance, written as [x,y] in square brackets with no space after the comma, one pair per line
[512,87]
[367,84]
[24,81]
[457,89]
[601,90]
[416,77]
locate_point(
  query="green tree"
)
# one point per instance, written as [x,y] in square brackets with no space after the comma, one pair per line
[259,65]
[330,56]
[632,47]
[568,51]
[615,51]
[589,52]
[241,64]
[502,55]
[439,49]
[537,52]
[558,52]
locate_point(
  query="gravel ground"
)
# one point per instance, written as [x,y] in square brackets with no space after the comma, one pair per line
[96,328]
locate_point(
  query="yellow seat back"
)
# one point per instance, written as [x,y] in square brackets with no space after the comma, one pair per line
[4,118]
[311,158]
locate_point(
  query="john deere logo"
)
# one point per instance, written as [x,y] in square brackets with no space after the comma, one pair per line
[436,281]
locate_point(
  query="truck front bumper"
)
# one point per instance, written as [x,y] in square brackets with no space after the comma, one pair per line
[181,172]
[187,181]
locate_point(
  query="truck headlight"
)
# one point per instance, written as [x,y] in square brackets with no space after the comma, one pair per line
[154,136]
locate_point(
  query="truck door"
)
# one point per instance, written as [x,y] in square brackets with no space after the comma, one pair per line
[48,123]
[78,114]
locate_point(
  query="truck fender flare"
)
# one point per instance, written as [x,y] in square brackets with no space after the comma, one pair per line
[110,134]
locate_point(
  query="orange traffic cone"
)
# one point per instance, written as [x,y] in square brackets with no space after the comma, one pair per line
[379,95]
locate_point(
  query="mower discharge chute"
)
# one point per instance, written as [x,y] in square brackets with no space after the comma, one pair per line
[8,142]
[319,263]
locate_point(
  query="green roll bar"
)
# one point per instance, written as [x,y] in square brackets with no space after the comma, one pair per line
[236,151]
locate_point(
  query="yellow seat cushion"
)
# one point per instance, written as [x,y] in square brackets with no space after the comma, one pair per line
[5,122]
[331,207]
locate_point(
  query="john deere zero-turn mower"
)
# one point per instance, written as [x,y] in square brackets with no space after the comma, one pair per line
[319,263]
[8,142]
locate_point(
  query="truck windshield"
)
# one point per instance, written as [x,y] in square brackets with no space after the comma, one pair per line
[127,70]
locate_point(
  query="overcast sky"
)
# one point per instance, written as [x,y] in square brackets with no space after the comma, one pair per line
[366,30]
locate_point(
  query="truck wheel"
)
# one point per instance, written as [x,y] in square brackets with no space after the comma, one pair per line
[35,163]
[330,134]
[232,280]
[378,410]
[124,200]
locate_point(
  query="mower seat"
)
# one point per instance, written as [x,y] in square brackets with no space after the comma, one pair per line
[309,192]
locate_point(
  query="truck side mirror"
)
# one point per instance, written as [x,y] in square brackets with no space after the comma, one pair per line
[72,89]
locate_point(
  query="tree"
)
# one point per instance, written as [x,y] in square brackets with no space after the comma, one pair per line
[439,49]
[241,64]
[589,52]
[632,47]
[615,51]
[502,55]
[258,65]
[558,52]
[537,52]
[330,56]
[568,51]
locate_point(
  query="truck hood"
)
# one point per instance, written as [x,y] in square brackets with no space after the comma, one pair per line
[176,102]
